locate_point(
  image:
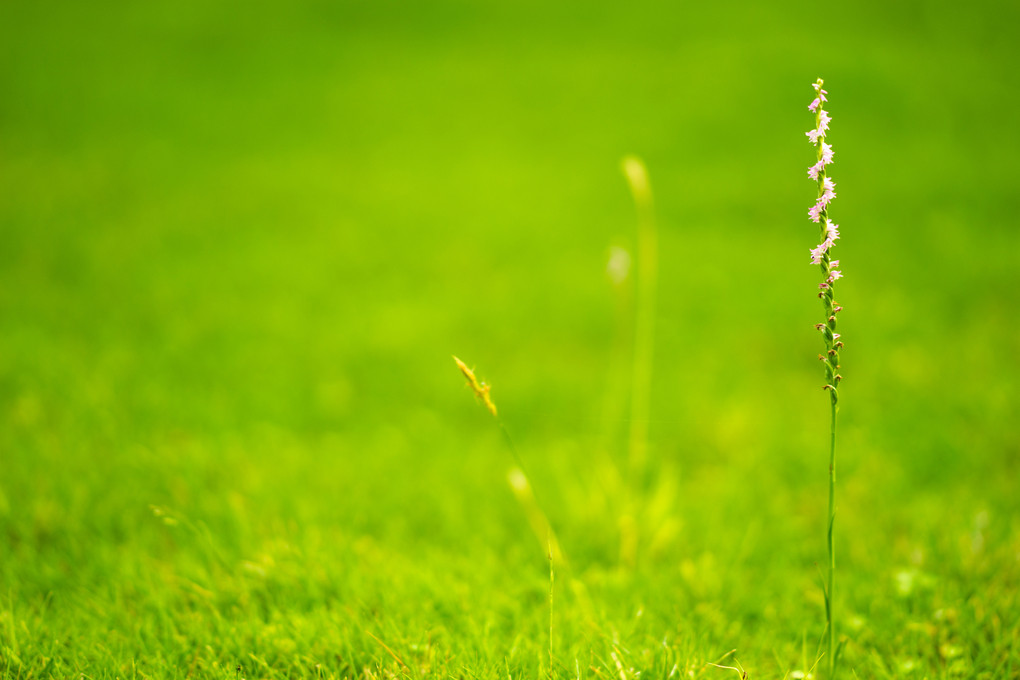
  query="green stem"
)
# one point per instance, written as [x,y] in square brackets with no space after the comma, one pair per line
[832,551]
[512,447]
[535,503]
[644,341]
[644,324]
[552,583]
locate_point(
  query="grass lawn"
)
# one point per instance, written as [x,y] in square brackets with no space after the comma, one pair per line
[239,243]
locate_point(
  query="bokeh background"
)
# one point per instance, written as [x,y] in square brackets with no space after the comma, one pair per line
[240,242]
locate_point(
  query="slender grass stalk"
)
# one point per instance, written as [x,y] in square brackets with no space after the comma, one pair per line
[536,517]
[820,255]
[552,585]
[613,481]
[619,272]
[644,325]
[518,476]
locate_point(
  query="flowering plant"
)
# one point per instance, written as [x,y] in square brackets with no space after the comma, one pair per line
[822,255]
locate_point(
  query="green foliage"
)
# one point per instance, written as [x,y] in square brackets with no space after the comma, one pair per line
[241,241]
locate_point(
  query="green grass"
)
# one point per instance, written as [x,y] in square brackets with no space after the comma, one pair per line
[241,241]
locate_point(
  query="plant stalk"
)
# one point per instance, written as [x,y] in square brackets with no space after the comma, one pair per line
[830,610]
[644,325]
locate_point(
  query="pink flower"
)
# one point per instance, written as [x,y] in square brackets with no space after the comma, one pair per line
[828,193]
[826,153]
[819,250]
[815,213]
[826,159]
[823,120]
[828,190]
[831,236]
[820,91]
[819,99]
[835,274]
[814,135]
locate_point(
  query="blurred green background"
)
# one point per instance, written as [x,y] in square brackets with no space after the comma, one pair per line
[240,242]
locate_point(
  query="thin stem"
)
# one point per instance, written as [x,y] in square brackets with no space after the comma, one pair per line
[552,583]
[529,500]
[644,324]
[512,447]
[644,341]
[830,609]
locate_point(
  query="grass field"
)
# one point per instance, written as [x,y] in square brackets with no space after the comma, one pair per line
[240,243]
